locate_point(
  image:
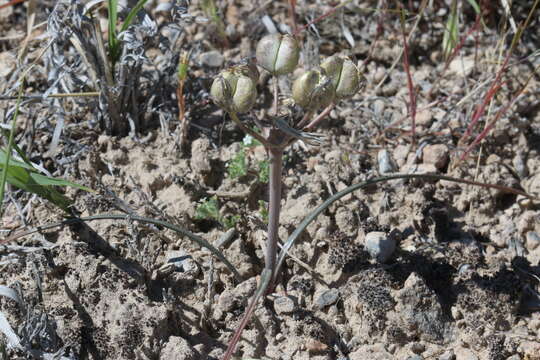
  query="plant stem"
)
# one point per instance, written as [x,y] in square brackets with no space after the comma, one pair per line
[275,157]
[320,117]
[266,279]
[276,94]
[247,130]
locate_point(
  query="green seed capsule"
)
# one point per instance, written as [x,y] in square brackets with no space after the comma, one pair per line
[234,91]
[344,76]
[278,54]
[312,90]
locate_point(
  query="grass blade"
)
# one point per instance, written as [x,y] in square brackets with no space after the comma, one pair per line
[43,180]
[451,31]
[112,7]
[133,12]
[4,177]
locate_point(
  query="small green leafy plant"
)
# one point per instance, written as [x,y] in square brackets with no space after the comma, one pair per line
[238,165]
[208,209]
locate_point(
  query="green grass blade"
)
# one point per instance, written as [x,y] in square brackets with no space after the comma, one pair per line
[43,180]
[450,37]
[112,8]
[4,174]
[475,6]
[25,177]
[24,180]
[17,149]
[133,12]
[12,162]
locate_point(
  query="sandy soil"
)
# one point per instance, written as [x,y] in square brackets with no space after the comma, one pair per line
[462,284]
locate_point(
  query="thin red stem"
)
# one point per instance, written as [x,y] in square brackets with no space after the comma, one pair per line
[410,85]
[12,2]
[319,117]
[292,15]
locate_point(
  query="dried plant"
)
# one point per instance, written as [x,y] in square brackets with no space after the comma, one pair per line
[128,82]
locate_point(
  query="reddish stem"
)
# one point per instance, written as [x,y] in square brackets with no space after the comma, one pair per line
[319,117]
[12,2]
[410,85]
[292,15]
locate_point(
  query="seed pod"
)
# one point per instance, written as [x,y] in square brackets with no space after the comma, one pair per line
[278,54]
[233,90]
[344,75]
[312,90]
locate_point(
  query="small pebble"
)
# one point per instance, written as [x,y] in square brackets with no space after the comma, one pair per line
[327,298]
[284,305]
[418,348]
[436,155]
[212,58]
[448,355]
[182,261]
[520,166]
[380,246]
[315,346]
[456,313]
[462,66]
[424,118]
[386,163]
[463,268]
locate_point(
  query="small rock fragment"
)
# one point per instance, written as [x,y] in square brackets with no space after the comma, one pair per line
[386,163]
[231,299]
[530,350]
[448,355]
[380,246]
[424,117]
[212,58]
[8,60]
[200,162]
[315,346]
[371,352]
[182,261]
[284,305]
[418,348]
[327,298]
[462,66]
[400,154]
[436,154]
[420,311]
